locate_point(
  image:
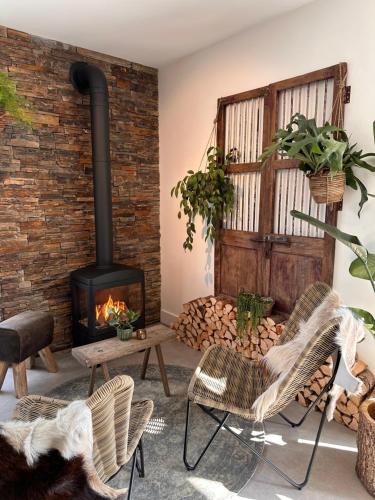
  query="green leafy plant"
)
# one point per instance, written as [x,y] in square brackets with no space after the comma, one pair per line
[122,319]
[208,194]
[321,150]
[12,103]
[356,158]
[250,310]
[363,266]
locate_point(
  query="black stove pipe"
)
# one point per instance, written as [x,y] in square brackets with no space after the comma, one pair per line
[89,79]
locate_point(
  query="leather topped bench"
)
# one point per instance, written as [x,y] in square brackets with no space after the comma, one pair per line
[21,338]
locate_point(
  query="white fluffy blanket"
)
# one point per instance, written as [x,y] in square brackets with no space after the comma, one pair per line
[70,433]
[281,358]
[352,331]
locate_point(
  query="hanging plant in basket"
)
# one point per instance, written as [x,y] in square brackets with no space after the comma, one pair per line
[209,194]
[325,155]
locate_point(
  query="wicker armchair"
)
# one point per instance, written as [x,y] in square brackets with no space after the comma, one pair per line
[118,424]
[225,380]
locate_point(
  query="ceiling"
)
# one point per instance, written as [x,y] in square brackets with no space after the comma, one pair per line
[151,32]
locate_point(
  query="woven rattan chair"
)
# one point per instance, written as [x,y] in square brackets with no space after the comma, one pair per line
[225,380]
[118,424]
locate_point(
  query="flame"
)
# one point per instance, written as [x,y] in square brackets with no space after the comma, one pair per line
[101,310]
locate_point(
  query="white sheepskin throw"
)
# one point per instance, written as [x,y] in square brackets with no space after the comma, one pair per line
[70,433]
[281,358]
[352,330]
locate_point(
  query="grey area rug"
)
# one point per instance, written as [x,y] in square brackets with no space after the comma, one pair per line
[224,470]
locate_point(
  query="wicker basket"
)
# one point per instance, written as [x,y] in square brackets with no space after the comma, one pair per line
[326,188]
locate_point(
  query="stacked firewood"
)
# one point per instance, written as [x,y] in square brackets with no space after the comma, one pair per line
[212,320]
[347,408]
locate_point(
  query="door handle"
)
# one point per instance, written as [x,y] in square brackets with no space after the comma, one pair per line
[274,238]
[268,239]
[277,238]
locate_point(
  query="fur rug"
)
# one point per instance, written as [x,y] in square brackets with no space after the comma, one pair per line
[51,459]
[281,358]
[351,332]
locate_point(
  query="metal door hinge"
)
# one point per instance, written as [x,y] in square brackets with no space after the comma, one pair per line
[347,92]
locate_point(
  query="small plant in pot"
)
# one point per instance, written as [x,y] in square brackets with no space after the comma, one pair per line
[251,308]
[123,321]
[325,155]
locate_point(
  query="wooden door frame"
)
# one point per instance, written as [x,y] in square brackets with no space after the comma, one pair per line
[270,93]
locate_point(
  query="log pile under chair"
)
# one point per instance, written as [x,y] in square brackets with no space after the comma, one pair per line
[212,320]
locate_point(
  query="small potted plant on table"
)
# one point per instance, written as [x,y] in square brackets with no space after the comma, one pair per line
[123,321]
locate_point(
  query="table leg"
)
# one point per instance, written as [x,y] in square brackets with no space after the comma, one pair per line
[163,373]
[146,357]
[106,375]
[92,379]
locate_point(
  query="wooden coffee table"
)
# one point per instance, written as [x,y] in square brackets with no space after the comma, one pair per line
[100,353]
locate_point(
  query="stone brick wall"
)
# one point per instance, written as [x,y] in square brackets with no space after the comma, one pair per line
[46,189]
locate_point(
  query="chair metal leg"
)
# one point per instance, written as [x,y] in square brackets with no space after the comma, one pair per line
[325,390]
[141,464]
[266,460]
[132,474]
[220,426]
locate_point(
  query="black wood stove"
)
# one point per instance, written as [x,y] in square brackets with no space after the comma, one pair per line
[100,285]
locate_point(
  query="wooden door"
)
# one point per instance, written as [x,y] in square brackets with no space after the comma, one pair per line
[242,124]
[275,254]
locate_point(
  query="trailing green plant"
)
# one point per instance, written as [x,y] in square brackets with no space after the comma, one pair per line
[250,310]
[208,194]
[363,266]
[122,319]
[321,149]
[12,103]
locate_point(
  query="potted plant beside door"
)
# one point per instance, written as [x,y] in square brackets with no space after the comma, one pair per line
[325,155]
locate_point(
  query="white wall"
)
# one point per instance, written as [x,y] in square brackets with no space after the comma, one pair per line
[315,36]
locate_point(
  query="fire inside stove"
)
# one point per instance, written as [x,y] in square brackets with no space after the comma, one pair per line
[96,309]
[103,311]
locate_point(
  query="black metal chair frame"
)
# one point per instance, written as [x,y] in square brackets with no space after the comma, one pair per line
[222,425]
[136,464]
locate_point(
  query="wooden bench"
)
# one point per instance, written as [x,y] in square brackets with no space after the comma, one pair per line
[100,353]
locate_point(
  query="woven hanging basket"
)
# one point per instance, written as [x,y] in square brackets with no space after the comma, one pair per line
[366,450]
[326,188]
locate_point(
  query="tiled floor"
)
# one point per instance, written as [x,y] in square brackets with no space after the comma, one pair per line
[333,475]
